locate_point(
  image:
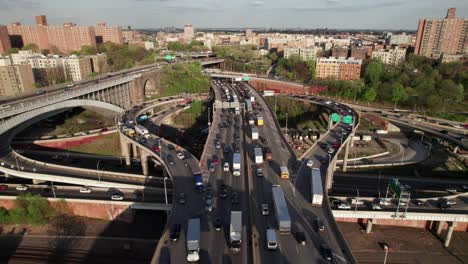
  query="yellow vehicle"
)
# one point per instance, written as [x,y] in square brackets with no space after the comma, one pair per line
[284,172]
[259,121]
[130,132]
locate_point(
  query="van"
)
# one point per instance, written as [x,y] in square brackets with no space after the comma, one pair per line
[272,242]
[284,172]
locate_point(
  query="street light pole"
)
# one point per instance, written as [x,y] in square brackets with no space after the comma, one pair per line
[165,190]
[209,123]
[386,253]
[286,124]
[53,190]
[97,168]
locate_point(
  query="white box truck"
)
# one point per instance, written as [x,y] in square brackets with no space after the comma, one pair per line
[193,240]
[281,210]
[236,164]
[316,188]
[254,131]
[235,231]
[142,131]
[258,155]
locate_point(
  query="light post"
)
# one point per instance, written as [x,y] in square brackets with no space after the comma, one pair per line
[209,123]
[97,168]
[17,165]
[357,199]
[165,190]
[386,248]
[286,124]
[53,190]
[403,155]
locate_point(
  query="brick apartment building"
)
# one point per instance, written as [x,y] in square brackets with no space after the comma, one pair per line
[338,68]
[437,36]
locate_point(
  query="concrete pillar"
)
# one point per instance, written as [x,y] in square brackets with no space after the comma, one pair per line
[125,150]
[369,226]
[440,225]
[135,151]
[330,122]
[38,181]
[144,163]
[451,225]
[346,154]
[329,179]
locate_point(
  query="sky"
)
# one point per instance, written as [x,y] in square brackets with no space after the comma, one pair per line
[337,14]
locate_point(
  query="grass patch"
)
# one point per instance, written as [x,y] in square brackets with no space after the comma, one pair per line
[190,116]
[108,145]
[83,121]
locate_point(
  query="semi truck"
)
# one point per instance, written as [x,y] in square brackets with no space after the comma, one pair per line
[248,104]
[316,188]
[236,164]
[235,231]
[142,131]
[193,240]
[258,155]
[281,210]
[254,131]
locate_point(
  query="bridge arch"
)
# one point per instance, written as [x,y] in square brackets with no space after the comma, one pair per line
[22,118]
[149,87]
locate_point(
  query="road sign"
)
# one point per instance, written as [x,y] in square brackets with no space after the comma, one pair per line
[335,117]
[246,79]
[348,119]
[396,186]
[169,57]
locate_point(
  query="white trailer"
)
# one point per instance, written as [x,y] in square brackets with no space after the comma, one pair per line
[254,131]
[236,164]
[316,188]
[193,240]
[235,231]
[281,210]
[258,155]
[142,131]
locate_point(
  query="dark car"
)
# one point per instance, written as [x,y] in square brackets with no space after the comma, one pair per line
[323,145]
[174,232]
[326,252]
[319,224]
[301,238]
[263,140]
[218,223]
[367,161]
[235,198]
[215,160]
[227,149]
[170,159]
[170,147]
[3,187]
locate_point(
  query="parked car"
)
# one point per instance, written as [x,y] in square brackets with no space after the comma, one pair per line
[170,159]
[319,224]
[209,205]
[259,171]
[3,187]
[211,167]
[215,160]
[117,197]
[344,206]
[326,252]
[376,207]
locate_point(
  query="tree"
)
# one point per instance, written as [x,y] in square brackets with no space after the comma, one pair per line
[370,94]
[88,50]
[31,46]
[398,93]
[373,72]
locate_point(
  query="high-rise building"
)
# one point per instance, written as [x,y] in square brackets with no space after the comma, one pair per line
[5,44]
[16,79]
[65,39]
[189,34]
[359,53]
[437,36]
[338,68]
[340,52]
[105,33]
[392,56]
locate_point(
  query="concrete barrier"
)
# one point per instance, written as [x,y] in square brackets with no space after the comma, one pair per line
[366,157]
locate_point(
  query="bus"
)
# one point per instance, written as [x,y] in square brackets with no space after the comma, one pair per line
[196,173]
[284,172]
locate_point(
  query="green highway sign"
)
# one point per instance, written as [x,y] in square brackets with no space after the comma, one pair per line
[335,117]
[348,119]
[169,57]
[396,186]
[246,79]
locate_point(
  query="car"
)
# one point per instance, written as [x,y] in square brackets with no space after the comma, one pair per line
[419,203]
[85,190]
[223,194]
[336,145]
[450,202]
[331,150]
[343,206]
[104,130]
[170,159]
[263,140]
[310,163]
[227,149]
[322,145]
[265,209]
[465,187]
[117,197]
[171,147]
[215,160]
[48,189]
[180,155]
[3,187]
[226,166]
[181,198]
[367,161]
[212,167]
[55,157]
[301,238]
[234,198]
[319,224]
[22,187]
[385,202]
[452,190]
[259,171]
[376,207]
[218,223]
[356,201]
[209,205]
[156,148]
[174,232]
[326,252]
[217,144]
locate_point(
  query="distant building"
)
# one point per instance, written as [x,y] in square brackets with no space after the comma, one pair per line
[359,53]
[392,56]
[446,58]
[249,33]
[289,52]
[149,45]
[77,68]
[338,68]
[15,80]
[105,33]
[5,44]
[340,52]
[305,54]
[437,36]
[397,39]
[189,34]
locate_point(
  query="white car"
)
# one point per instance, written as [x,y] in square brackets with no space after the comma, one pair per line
[356,201]
[22,187]
[265,209]
[451,202]
[331,150]
[384,202]
[457,126]
[180,155]
[117,197]
[376,207]
[85,190]
[226,166]
[310,163]
[343,206]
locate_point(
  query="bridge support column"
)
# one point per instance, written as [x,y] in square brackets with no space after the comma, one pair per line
[38,181]
[144,163]
[135,151]
[451,225]
[125,150]
[346,153]
[329,179]
[440,225]
[330,122]
[369,226]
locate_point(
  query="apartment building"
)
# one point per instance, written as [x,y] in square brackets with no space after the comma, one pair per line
[338,68]
[393,56]
[105,33]
[15,79]
[305,54]
[5,44]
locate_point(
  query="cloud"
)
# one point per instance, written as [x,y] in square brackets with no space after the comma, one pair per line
[194,9]
[257,3]
[335,5]
[19,4]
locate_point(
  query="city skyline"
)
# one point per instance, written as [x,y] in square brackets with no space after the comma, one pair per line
[336,14]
